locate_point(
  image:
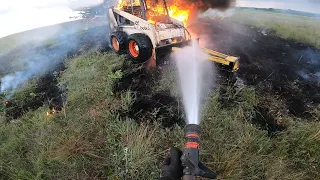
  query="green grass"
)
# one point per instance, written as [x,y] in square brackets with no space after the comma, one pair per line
[300,28]
[90,139]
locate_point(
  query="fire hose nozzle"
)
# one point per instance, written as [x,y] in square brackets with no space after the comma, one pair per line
[190,158]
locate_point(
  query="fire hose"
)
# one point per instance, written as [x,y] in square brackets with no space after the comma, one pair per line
[190,158]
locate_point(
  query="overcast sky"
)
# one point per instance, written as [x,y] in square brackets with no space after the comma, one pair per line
[21,15]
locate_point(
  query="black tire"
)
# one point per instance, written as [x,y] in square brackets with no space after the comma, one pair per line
[118,42]
[144,51]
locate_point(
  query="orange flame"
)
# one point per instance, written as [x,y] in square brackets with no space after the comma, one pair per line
[53,111]
[155,11]
[181,15]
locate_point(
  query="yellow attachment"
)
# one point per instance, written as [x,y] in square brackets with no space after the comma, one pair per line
[220,58]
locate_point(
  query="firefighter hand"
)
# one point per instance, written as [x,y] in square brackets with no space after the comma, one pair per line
[172,168]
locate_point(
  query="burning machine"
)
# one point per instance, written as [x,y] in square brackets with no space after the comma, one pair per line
[140,30]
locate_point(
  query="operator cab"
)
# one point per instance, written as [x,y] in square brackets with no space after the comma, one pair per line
[140,9]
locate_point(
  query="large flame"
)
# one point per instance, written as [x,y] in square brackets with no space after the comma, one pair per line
[179,14]
[155,11]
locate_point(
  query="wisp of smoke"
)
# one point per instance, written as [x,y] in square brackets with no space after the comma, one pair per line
[195,76]
[34,67]
[212,13]
[37,61]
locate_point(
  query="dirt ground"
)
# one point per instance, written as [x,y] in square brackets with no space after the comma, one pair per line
[271,64]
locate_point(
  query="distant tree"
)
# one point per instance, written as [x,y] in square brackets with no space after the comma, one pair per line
[91,12]
[87,11]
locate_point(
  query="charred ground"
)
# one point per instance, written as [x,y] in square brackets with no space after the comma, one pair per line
[45,90]
[282,68]
[274,66]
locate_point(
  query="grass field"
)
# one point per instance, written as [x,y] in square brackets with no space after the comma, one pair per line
[90,139]
[300,28]
[95,137]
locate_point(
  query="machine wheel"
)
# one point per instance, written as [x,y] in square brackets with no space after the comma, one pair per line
[119,42]
[139,47]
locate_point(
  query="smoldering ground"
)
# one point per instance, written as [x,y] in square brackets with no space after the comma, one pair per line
[46,62]
[269,63]
[44,58]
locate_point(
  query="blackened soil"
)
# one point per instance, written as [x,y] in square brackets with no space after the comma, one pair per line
[273,65]
[266,120]
[46,91]
[149,105]
[160,106]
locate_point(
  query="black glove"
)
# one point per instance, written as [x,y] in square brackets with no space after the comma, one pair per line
[172,168]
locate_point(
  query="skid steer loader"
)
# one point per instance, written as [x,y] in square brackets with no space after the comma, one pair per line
[132,32]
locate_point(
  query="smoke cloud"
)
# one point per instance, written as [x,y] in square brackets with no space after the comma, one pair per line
[34,67]
[214,4]
[35,61]
[212,13]
[199,5]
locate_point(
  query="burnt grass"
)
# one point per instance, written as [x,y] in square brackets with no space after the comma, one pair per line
[148,105]
[270,64]
[46,91]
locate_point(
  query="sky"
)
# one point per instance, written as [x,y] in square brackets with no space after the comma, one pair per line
[21,15]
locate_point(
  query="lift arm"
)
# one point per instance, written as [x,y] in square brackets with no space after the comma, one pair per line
[230,61]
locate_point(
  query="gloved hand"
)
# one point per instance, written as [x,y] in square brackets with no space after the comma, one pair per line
[172,168]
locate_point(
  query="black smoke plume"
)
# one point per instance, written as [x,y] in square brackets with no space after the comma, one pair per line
[203,5]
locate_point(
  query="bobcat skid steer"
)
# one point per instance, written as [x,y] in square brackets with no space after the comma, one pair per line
[133,31]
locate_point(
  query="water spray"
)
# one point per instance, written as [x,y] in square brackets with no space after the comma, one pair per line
[195,75]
